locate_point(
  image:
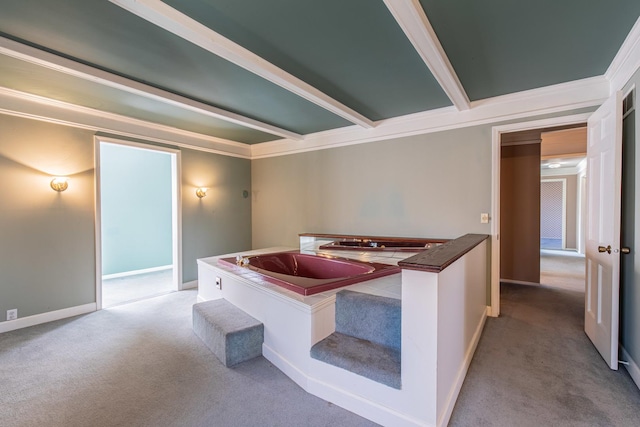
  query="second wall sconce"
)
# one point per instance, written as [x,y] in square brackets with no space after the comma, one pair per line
[60,183]
[201,192]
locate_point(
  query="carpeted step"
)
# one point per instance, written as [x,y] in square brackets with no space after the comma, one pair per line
[367,337]
[230,333]
[369,317]
[377,362]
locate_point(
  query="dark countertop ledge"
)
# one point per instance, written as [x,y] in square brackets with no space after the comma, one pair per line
[440,257]
[329,236]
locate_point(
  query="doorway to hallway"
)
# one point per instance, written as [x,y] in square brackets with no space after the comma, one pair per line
[137,222]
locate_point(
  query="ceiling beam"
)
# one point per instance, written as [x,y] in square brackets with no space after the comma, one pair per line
[413,21]
[45,59]
[191,30]
[29,106]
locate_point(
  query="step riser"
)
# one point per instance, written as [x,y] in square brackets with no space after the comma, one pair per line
[369,317]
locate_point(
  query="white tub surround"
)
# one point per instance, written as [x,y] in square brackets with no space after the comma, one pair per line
[444,308]
[443,312]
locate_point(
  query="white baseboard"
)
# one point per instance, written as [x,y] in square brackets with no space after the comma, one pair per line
[285,366]
[345,399]
[36,319]
[190,285]
[519,282]
[632,367]
[136,272]
[462,373]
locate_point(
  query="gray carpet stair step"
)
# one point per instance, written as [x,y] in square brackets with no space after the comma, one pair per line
[369,317]
[371,360]
[230,333]
[367,337]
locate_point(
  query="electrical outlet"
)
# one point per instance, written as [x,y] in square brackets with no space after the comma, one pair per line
[12,314]
[219,283]
[484,218]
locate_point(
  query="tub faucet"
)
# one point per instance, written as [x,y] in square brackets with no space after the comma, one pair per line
[242,261]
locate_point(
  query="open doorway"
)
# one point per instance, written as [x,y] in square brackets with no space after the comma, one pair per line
[562,170]
[137,221]
[539,206]
[522,145]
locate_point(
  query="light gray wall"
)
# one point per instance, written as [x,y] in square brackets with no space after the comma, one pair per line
[433,185]
[47,239]
[136,204]
[630,272]
[47,243]
[220,222]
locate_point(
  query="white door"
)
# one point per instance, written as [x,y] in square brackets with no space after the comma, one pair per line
[604,177]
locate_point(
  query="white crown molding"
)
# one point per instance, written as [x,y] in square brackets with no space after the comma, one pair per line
[559,172]
[548,100]
[626,62]
[30,106]
[45,59]
[189,29]
[414,22]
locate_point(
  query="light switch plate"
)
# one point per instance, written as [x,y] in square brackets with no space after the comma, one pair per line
[484,218]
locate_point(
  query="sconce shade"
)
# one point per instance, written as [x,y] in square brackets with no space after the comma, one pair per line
[60,183]
[201,192]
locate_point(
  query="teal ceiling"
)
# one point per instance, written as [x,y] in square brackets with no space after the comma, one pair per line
[505,46]
[26,77]
[353,51]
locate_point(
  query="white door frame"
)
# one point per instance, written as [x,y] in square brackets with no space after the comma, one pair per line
[496,134]
[176,209]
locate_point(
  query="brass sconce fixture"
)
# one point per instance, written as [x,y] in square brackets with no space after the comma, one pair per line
[60,183]
[201,192]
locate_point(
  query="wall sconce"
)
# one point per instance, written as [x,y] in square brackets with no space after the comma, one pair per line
[60,183]
[201,192]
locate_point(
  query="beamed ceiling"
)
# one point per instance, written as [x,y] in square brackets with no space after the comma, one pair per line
[246,77]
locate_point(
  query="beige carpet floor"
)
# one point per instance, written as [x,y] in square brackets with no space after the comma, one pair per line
[562,269]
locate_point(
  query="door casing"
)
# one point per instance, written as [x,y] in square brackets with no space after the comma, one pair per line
[175,203]
[496,133]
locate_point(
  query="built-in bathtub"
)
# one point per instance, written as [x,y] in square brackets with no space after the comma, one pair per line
[443,297]
[308,274]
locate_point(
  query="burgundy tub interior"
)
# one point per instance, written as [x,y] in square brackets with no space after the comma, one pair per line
[311,274]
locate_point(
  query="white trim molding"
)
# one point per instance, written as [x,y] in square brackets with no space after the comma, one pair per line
[48,60]
[190,285]
[36,107]
[626,62]
[176,212]
[585,93]
[569,96]
[191,30]
[414,22]
[137,272]
[37,319]
[560,171]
